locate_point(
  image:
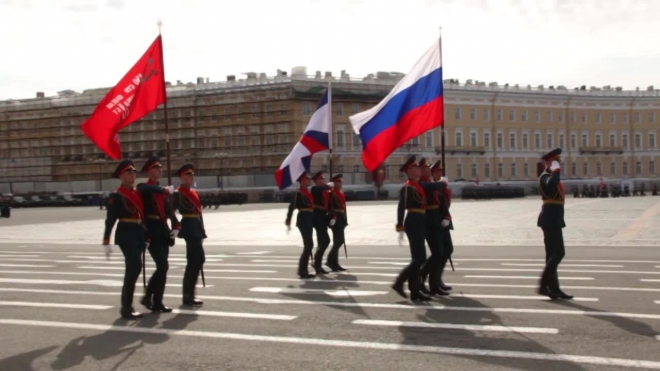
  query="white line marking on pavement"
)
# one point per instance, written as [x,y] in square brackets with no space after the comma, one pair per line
[563,265]
[515,297]
[603,361]
[236,271]
[560,270]
[27,265]
[530,278]
[103,258]
[342,293]
[254,253]
[403,264]
[53,305]
[649,280]
[368,274]
[19,256]
[120,268]
[452,326]
[272,261]
[657,301]
[278,317]
[107,283]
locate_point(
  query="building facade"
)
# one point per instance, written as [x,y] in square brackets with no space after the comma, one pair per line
[248,126]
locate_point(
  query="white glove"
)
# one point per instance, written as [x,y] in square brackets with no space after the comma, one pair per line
[332,222]
[554,166]
[444,180]
[107,249]
[147,245]
[445,223]
[170,189]
[174,233]
[330,184]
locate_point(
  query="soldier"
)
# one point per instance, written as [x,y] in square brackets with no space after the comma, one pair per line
[412,198]
[125,206]
[551,221]
[304,202]
[320,219]
[435,222]
[338,221]
[158,208]
[187,201]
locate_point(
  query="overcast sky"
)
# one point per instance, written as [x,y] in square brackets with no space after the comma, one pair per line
[53,45]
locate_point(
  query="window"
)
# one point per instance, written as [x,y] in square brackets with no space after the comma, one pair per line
[486,114]
[340,109]
[357,142]
[500,170]
[599,118]
[487,170]
[549,140]
[255,111]
[561,116]
[651,167]
[537,116]
[356,168]
[474,171]
[499,114]
[340,168]
[651,117]
[598,169]
[625,168]
[651,140]
[624,141]
[624,119]
[512,115]
[473,113]
[473,139]
[524,116]
[512,140]
[612,118]
[526,170]
[269,109]
[355,108]
[599,140]
[585,169]
[537,140]
[573,140]
[573,169]
[613,168]
[638,118]
[499,141]
[429,139]
[487,140]
[562,143]
[549,114]
[638,167]
[458,139]
[458,113]
[638,140]
[572,117]
[612,140]
[525,141]
[282,109]
[459,171]
[513,170]
[307,111]
[340,137]
[584,117]
[585,140]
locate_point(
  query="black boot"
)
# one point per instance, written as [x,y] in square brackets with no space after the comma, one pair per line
[129,313]
[416,287]
[146,302]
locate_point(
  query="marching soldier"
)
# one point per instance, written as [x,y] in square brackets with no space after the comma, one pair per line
[551,221]
[338,221]
[187,201]
[434,224]
[304,202]
[158,209]
[125,207]
[412,199]
[320,219]
[446,224]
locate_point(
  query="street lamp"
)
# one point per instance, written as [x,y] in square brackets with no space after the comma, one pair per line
[221,156]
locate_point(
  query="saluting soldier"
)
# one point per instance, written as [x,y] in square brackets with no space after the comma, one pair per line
[551,221]
[412,199]
[304,202]
[434,223]
[158,209]
[338,220]
[125,206]
[187,201]
[320,219]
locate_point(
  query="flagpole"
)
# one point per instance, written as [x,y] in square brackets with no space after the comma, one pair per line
[331,131]
[167,126]
[442,126]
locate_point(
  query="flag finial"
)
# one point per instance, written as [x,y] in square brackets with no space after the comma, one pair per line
[160,24]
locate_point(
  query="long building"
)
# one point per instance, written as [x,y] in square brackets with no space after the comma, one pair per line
[245,127]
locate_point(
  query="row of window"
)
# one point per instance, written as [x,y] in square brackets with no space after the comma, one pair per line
[513,170]
[597,117]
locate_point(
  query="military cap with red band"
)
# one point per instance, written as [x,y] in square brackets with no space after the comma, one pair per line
[303,176]
[412,162]
[152,162]
[186,169]
[552,154]
[318,175]
[123,167]
[437,165]
[423,163]
[337,177]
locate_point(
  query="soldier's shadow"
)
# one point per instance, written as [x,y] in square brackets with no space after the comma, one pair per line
[109,344]
[23,361]
[626,324]
[479,340]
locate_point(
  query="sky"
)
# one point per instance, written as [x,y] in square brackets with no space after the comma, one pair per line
[54,45]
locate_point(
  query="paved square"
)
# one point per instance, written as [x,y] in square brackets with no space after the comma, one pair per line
[59,296]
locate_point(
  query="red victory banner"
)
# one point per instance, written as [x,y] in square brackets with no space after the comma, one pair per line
[138,93]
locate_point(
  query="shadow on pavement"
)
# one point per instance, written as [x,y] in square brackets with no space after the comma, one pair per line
[23,361]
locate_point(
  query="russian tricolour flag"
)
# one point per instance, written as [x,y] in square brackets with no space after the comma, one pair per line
[316,138]
[414,106]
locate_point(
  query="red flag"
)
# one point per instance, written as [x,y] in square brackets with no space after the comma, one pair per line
[138,93]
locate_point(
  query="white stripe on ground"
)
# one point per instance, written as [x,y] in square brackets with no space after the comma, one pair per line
[453,326]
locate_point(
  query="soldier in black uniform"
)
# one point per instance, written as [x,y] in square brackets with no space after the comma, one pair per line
[338,221]
[320,219]
[125,205]
[158,208]
[434,223]
[551,221]
[187,201]
[412,198]
[304,202]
